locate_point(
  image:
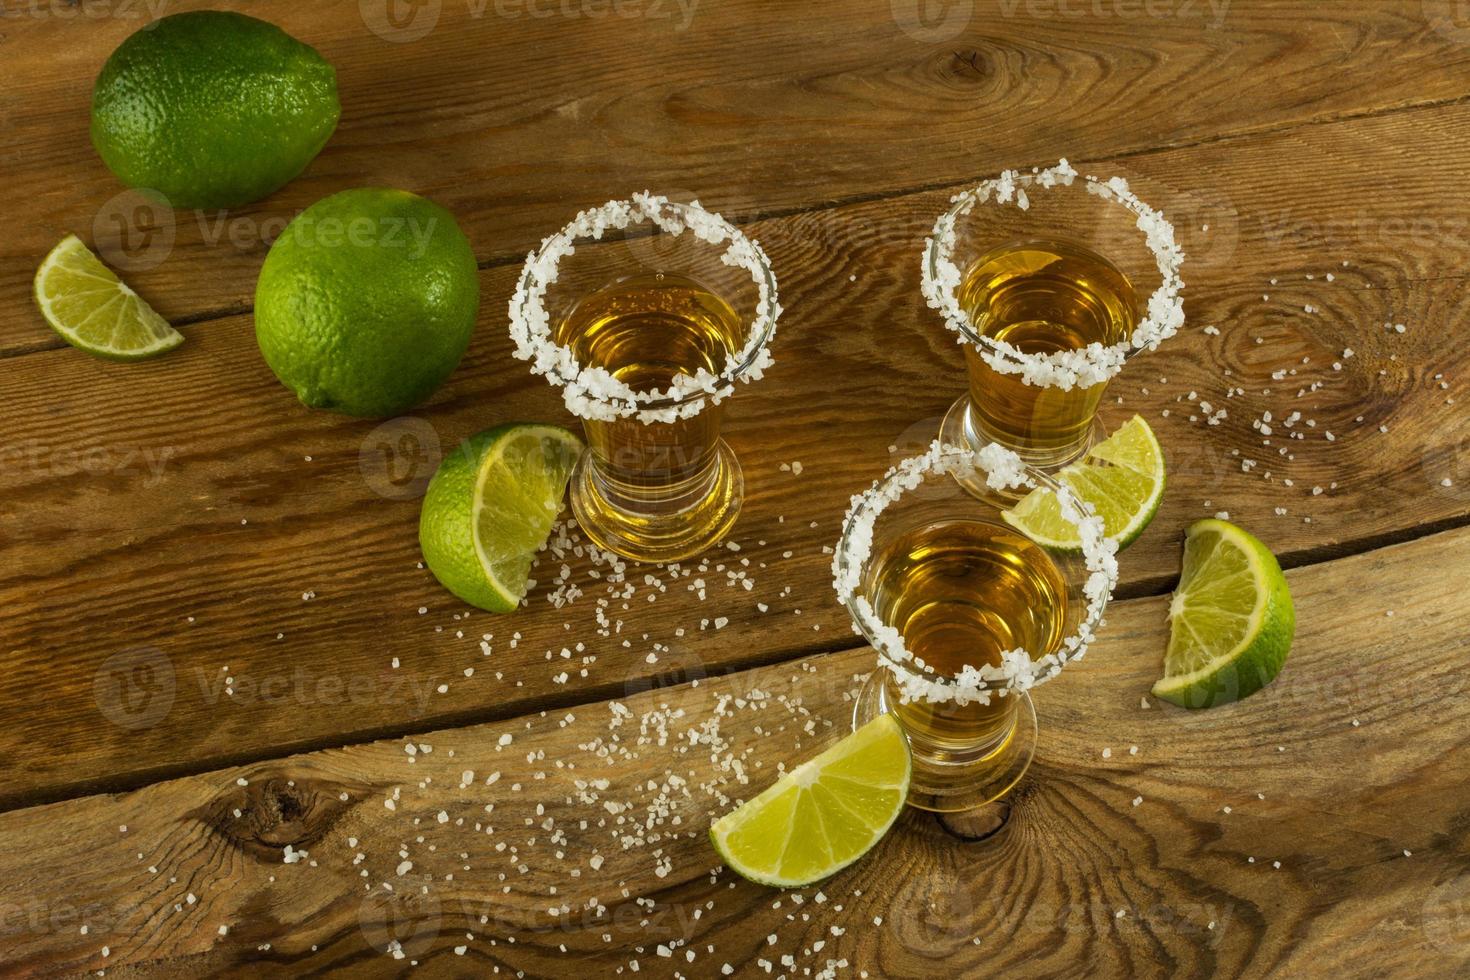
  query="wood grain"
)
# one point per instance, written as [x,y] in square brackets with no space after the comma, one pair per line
[1348,770]
[137,495]
[762,107]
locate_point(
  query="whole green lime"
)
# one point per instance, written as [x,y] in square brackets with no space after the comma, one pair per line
[212,109]
[367,301]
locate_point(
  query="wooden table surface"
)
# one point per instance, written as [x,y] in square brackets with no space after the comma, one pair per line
[219,648]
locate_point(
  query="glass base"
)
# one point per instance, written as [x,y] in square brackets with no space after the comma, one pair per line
[961,428]
[660,526]
[947,787]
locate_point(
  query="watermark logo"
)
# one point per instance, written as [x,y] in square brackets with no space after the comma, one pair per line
[1446,916]
[1206,224]
[1448,468]
[933,914]
[400,21]
[1213,11]
[405,21]
[932,21]
[134,689]
[679,12]
[398,458]
[400,924]
[304,687]
[134,231]
[1448,18]
[68,461]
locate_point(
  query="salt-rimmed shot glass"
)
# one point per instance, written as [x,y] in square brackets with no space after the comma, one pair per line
[648,314]
[967,614]
[1050,281]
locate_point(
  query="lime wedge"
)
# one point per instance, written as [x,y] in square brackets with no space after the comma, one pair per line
[489,509]
[1230,622]
[824,814]
[93,309]
[1122,477]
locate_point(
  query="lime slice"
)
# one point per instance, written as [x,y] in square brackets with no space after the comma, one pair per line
[489,509]
[1230,622]
[93,309]
[1122,477]
[824,814]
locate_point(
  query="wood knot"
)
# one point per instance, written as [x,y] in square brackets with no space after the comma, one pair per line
[967,65]
[267,814]
[978,824]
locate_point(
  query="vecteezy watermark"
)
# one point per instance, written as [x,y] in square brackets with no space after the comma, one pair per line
[670,666]
[1364,232]
[134,689]
[1213,12]
[387,232]
[672,922]
[932,21]
[1202,921]
[42,459]
[304,687]
[84,9]
[680,12]
[398,458]
[41,918]
[136,230]
[405,21]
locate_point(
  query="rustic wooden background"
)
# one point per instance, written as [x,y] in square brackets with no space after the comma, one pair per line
[161,522]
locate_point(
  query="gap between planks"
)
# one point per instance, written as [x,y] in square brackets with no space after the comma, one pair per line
[503,259]
[598,693]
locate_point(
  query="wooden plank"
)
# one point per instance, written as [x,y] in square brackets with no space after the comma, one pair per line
[761,107]
[122,503]
[1348,770]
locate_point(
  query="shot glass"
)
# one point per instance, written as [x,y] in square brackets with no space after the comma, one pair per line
[1051,282]
[967,614]
[648,314]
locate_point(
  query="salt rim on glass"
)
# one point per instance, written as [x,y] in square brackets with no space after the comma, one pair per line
[1018,670]
[1096,362]
[593,393]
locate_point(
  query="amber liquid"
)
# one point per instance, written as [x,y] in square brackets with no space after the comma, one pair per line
[646,331]
[1042,297]
[962,593]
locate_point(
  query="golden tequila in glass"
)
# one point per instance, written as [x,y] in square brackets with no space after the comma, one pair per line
[649,315]
[961,593]
[1041,297]
[1052,280]
[647,330]
[967,615]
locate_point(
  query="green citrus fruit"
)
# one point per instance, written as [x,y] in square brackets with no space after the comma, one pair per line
[212,109]
[1231,620]
[824,814]
[367,301]
[490,507]
[94,310]
[1122,477]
